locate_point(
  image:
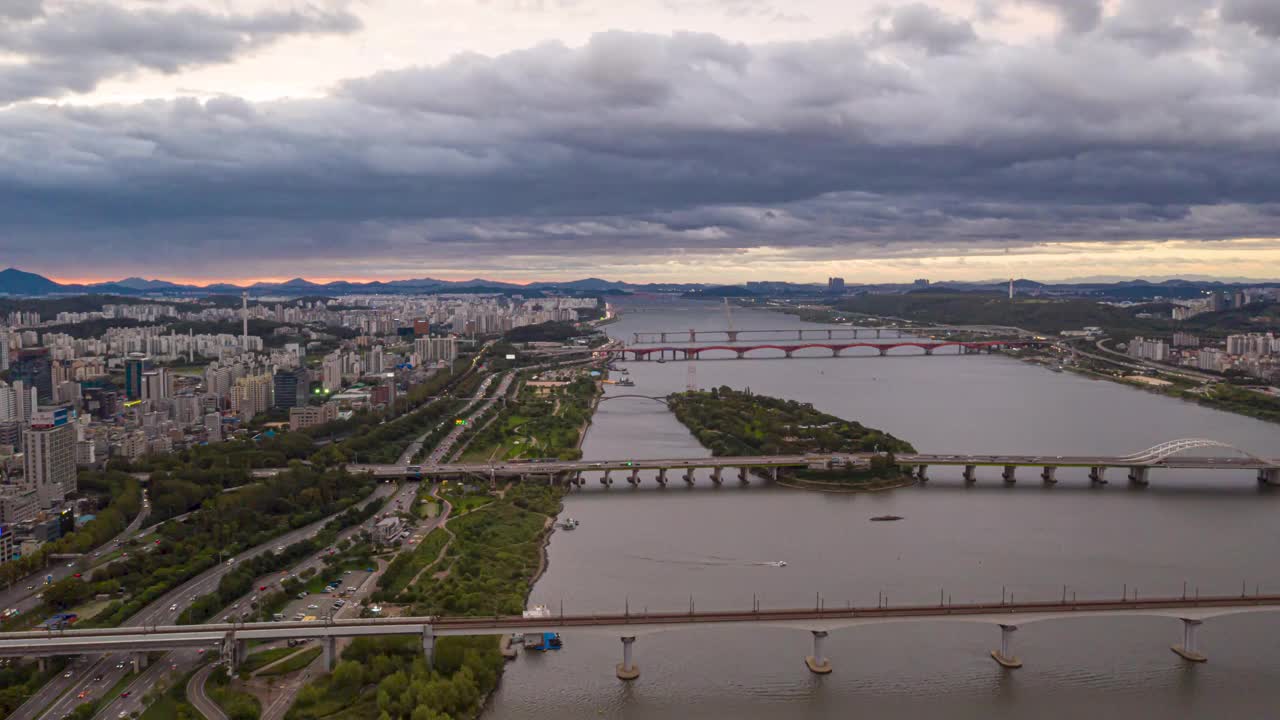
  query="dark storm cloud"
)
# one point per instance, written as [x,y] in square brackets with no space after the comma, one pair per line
[676,144]
[80,44]
[1262,15]
[21,9]
[929,28]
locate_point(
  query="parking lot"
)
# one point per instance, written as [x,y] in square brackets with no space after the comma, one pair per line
[320,599]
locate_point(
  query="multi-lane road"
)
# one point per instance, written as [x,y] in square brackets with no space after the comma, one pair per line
[24,593]
[180,662]
[61,695]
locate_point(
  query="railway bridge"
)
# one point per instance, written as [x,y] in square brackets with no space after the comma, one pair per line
[819,621]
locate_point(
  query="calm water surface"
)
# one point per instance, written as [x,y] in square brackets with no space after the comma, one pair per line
[664,548]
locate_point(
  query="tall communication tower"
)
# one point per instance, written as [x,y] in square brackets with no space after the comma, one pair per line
[244,314]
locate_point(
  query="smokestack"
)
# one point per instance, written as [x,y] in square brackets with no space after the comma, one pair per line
[244,313]
[1010,289]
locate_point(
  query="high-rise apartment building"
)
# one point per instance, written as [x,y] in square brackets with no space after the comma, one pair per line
[332,372]
[835,285]
[436,349]
[49,461]
[251,395]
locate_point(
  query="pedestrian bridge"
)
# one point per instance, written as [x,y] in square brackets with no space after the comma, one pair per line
[819,621]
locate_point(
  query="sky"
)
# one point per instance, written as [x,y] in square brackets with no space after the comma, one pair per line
[643,140]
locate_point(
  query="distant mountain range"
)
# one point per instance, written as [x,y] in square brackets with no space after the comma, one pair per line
[16,282]
[21,283]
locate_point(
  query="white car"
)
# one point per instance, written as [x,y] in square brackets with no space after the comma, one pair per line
[173,607]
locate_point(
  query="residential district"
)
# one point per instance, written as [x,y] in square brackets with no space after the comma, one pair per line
[136,384]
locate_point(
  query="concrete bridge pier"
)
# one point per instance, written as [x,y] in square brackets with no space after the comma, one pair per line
[627,669]
[662,476]
[828,334]
[1138,475]
[1269,476]
[139,660]
[877,333]
[818,663]
[970,474]
[922,473]
[715,475]
[742,476]
[1097,475]
[229,648]
[733,336]
[42,664]
[1189,649]
[835,352]
[688,476]
[605,479]
[1005,655]
[788,352]
[635,477]
[429,645]
[329,652]
[1049,475]
[1010,474]
[773,474]
[928,351]
[742,354]
[883,351]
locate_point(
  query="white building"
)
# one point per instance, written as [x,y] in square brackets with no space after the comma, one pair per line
[49,462]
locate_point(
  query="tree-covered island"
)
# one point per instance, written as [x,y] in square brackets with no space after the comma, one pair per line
[733,423]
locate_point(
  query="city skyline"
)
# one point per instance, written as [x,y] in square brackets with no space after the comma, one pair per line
[524,140]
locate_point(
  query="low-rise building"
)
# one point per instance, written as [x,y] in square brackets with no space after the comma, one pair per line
[301,418]
[387,529]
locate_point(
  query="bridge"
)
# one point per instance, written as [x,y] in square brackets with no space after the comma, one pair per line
[1138,465]
[232,638]
[834,333]
[926,347]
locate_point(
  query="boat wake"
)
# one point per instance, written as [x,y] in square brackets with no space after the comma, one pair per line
[711,561]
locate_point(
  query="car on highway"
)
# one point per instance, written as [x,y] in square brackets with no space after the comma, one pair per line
[66,674]
[120,665]
[82,695]
[173,607]
[125,694]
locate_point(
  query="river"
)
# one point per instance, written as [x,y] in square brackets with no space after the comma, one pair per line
[662,549]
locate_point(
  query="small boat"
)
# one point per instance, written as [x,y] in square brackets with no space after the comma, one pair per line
[886,518]
[569,524]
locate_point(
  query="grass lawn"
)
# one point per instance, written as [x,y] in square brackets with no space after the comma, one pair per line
[299,660]
[266,657]
[168,704]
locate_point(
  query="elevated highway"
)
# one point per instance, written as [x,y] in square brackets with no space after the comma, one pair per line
[1138,465]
